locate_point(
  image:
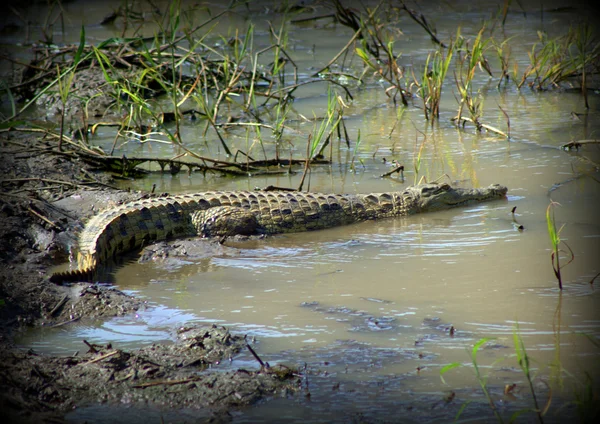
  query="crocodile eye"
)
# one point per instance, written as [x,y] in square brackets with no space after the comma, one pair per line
[445,187]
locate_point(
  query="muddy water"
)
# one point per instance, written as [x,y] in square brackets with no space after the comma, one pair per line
[382,306]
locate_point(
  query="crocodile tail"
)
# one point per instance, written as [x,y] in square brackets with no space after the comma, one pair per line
[76,275]
[86,270]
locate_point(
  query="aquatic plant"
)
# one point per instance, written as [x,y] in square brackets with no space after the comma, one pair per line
[557,60]
[481,379]
[469,59]
[155,81]
[555,240]
[377,49]
[429,88]
[524,363]
[503,53]
[321,134]
[585,392]
[417,158]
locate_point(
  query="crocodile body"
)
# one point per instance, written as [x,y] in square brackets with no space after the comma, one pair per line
[222,213]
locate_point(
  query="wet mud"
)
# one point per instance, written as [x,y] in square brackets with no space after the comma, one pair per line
[45,201]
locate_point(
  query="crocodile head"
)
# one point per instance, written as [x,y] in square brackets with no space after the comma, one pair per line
[434,197]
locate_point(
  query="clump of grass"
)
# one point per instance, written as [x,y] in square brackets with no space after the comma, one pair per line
[481,379]
[558,60]
[154,82]
[321,134]
[430,87]
[586,397]
[377,50]
[392,73]
[556,241]
[469,59]
[503,52]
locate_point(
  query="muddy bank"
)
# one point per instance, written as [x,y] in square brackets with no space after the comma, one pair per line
[180,375]
[45,201]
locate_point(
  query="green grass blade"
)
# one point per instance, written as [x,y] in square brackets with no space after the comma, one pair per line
[10,124]
[477,345]
[447,368]
[461,410]
[81,46]
[554,238]
[11,98]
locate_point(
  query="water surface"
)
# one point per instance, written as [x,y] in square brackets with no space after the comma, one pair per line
[382,306]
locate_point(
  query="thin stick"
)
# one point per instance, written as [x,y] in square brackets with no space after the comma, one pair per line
[277,188]
[60,324]
[314,18]
[45,180]
[577,144]
[108,355]
[424,24]
[165,383]
[336,57]
[399,168]
[59,304]
[487,127]
[307,163]
[262,364]
[43,218]
[92,348]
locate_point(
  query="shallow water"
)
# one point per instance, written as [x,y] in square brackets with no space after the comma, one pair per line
[372,304]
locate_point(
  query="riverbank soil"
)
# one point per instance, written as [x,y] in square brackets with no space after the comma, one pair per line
[46,198]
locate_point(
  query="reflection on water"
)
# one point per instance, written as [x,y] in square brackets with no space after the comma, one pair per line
[128,332]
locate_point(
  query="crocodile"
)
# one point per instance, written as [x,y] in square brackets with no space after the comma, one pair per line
[224,213]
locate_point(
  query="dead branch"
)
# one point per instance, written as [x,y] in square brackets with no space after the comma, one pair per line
[577,144]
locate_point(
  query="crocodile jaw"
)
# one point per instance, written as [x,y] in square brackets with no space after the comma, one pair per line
[433,197]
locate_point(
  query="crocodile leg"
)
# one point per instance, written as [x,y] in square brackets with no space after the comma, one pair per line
[225,221]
